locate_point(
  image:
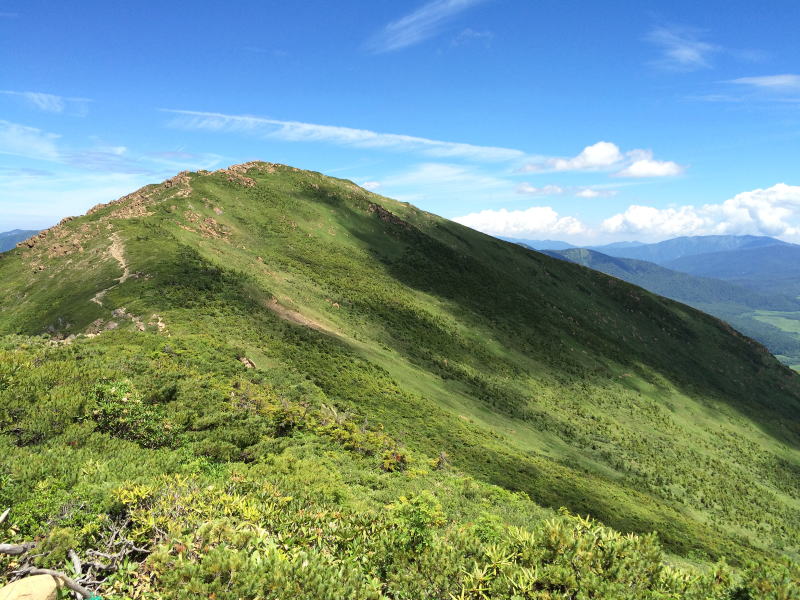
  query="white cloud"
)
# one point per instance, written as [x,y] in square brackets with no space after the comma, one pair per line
[27,142]
[655,221]
[645,166]
[772,211]
[530,222]
[681,48]
[785,82]
[51,102]
[419,25]
[595,157]
[371,185]
[595,193]
[295,131]
[599,155]
[547,190]
[604,156]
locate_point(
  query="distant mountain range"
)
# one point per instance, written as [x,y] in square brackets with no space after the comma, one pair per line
[539,244]
[752,282]
[9,239]
[559,245]
[673,284]
[667,251]
[772,269]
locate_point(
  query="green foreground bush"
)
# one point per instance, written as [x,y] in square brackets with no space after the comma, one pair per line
[301,506]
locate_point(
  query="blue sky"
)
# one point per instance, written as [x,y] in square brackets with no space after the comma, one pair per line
[560,119]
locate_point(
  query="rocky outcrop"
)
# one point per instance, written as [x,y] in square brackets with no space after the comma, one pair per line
[387,216]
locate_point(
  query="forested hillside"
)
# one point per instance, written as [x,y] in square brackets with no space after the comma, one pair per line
[770,318]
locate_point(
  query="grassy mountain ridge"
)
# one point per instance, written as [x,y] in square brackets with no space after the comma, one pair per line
[517,369]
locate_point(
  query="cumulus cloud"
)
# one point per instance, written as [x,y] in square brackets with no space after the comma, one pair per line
[533,221]
[655,221]
[604,156]
[645,166]
[418,26]
[771,211]
[592,158]
[547,190]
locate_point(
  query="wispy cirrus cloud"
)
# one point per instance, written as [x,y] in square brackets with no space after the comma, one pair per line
[557,190]
[418,26]
[682,48]
[469,35]
[27,142]
[296,131]
[33,143]
[762,90]
[468,185]
[545,190]
[787,82]
[51,102]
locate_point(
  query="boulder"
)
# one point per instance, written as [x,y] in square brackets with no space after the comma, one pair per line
[36,587]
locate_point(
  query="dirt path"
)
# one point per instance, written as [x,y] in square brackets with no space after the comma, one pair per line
[295,317]
[117,251]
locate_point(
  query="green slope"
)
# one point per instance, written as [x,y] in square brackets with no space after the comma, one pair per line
[380,330]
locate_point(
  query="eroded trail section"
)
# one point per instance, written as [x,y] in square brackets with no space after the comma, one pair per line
[117,252]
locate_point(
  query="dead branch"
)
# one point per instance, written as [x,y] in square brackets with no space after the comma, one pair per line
[76,562]
[16,549]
